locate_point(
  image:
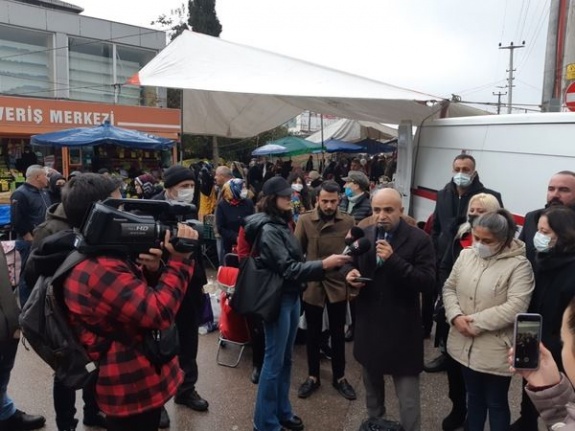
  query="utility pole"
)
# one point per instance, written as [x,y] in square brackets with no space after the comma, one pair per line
[499,94]
[510,78]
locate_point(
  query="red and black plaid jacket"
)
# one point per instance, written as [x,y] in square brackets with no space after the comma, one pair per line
[113,295]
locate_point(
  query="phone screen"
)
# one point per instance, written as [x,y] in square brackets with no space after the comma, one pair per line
[527,339]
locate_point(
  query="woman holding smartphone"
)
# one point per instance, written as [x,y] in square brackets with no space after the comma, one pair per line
[554,286]
[551,390]
[490,283]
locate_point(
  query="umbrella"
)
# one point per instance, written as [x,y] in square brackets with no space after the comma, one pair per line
[371,146]
[103,134]
[269,149]
[295,146]
[335,146]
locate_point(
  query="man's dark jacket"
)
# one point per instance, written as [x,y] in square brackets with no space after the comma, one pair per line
[361,209]
[388,327]
[28,208]
[451,211]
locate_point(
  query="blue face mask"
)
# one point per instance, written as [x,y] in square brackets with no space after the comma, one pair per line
[348,192]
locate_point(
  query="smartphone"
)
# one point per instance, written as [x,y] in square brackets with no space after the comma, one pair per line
[362,279]
[526,339]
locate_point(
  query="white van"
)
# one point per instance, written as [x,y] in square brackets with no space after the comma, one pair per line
[516,155]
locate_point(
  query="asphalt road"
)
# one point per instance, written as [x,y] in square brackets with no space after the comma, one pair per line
[231,394]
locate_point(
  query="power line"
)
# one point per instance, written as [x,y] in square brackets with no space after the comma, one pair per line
[511,47]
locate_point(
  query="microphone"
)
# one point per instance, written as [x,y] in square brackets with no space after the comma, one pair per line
[358,247]
[381,233]
[353,235]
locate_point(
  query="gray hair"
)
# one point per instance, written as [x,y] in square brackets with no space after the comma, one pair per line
[33,170]
[500,223]
[225,171]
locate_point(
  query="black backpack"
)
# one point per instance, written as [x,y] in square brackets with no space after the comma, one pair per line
[45,326]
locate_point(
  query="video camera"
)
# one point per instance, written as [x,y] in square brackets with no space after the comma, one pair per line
[137,227]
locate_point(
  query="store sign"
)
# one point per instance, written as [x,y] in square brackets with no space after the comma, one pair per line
[28,116]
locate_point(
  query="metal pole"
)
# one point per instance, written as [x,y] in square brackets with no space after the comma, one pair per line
[510,78]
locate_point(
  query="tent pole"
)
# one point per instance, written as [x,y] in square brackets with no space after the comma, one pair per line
[322,146]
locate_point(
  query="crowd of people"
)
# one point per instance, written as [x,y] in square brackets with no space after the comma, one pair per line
[466,269]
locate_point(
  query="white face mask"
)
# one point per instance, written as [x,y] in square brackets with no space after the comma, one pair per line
[186,195]
[542,242]
[297,187]
[462,180]
[244,193]
[483,250]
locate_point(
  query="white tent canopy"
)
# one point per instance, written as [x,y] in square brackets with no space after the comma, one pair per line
[353,130]
[239,91]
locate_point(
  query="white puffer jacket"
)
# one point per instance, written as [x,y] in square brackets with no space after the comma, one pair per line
[492,291]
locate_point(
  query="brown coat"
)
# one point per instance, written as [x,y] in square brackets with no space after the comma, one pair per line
[319,240]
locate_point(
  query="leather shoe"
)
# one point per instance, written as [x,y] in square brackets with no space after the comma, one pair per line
[293,424]
[349,333]
[255,377]
[21,421]
[345,389]
[164,419]
[308,387]
[193,401]
[454,420]
[98,420]
[436,365]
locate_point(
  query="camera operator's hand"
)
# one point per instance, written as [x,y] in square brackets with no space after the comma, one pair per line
[152,260]
[184,231]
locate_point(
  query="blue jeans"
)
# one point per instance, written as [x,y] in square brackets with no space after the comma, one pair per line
[7,356]
[23,247]
[272,401]
[487,392]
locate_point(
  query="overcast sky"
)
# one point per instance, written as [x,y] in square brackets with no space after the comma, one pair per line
[440,47]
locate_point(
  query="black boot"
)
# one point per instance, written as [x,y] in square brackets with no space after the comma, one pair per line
[20,421]
[454,420]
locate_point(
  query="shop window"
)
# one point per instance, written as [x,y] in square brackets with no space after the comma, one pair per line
[91,70]
[128,62]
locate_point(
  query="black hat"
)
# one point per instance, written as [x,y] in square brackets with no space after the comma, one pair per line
[277,186]
[176,174]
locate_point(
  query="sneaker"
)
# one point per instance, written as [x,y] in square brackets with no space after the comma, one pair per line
[308,387]
[193,401]
[164,419]
[345,389]
[21,421]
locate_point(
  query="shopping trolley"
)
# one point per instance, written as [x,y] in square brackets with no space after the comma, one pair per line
[234,331]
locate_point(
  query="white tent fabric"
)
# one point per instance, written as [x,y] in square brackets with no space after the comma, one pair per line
[239,91]
[353,130]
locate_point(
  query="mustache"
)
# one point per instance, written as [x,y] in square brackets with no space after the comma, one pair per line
[553,202]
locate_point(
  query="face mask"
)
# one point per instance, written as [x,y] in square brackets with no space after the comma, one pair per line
[244,194]
[348,192]
[186,195]
[484,251]
[462,180]
[471,218]
[541,242]
[297,187]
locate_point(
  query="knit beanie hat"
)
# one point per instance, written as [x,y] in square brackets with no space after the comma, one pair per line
[176,174]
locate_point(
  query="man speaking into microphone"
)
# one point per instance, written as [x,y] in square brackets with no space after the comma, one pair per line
[388,332]
[321,233]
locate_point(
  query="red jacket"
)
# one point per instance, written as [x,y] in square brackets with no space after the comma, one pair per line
[112,295]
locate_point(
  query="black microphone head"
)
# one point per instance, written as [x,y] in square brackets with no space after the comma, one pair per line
[360,246]
[353,235]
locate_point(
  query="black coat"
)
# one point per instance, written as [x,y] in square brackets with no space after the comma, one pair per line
[229,218]
[451,211]
[279,250]
[361,209]
[388,327]
[554,289]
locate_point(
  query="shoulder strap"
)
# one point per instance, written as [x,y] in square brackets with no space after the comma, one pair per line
[73,259]
[256,241]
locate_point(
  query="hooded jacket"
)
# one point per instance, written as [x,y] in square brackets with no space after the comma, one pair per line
[278,249]
[492,291]
[556,405]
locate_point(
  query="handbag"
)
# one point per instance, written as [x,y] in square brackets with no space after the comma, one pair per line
[258,290]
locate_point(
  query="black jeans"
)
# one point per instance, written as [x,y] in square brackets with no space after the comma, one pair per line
[65,404]
[258,341]
[147,421]
[187,322]
[314,317]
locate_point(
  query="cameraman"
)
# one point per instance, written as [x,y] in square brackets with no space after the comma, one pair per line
[113,294]
[179,185]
